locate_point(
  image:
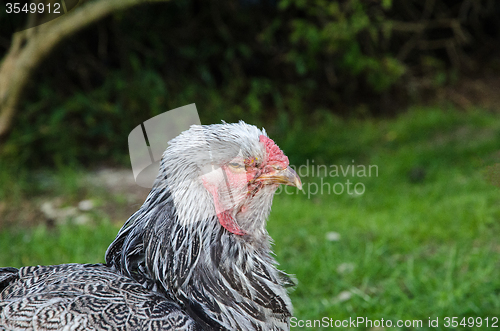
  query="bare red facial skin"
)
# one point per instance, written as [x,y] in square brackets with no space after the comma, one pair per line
[251,171]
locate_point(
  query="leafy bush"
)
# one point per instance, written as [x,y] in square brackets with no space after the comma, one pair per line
[287,65]
[344,40]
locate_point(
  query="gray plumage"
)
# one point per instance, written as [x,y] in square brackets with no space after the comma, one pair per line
[196,255]
[83,297]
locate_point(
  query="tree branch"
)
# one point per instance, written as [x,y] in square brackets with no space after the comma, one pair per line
[30,47]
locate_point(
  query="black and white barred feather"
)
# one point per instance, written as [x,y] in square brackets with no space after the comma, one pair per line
[83,297]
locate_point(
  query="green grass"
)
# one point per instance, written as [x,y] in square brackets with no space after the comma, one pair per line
[421,242]
[65,244]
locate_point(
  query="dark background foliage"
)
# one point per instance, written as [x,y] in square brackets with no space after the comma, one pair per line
[285,64]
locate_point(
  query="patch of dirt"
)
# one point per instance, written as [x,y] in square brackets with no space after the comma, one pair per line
[472,92]
[127,196]
[111,193]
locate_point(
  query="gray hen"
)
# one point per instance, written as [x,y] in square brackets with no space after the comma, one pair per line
[195,256]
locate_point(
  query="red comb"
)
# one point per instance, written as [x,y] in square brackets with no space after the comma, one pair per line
[274,153]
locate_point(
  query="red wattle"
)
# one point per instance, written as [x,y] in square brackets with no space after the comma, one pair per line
[225,219]
[229,224]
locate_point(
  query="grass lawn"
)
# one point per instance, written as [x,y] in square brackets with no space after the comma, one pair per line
[420,242]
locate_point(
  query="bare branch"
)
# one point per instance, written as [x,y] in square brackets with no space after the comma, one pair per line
[30,47]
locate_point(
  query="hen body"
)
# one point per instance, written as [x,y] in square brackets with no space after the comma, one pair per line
[195,256]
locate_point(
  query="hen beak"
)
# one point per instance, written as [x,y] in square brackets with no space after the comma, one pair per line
[286,176]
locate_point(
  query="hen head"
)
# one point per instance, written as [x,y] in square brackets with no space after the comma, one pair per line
[226,170]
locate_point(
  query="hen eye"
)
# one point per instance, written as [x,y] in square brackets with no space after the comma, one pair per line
[236,165]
